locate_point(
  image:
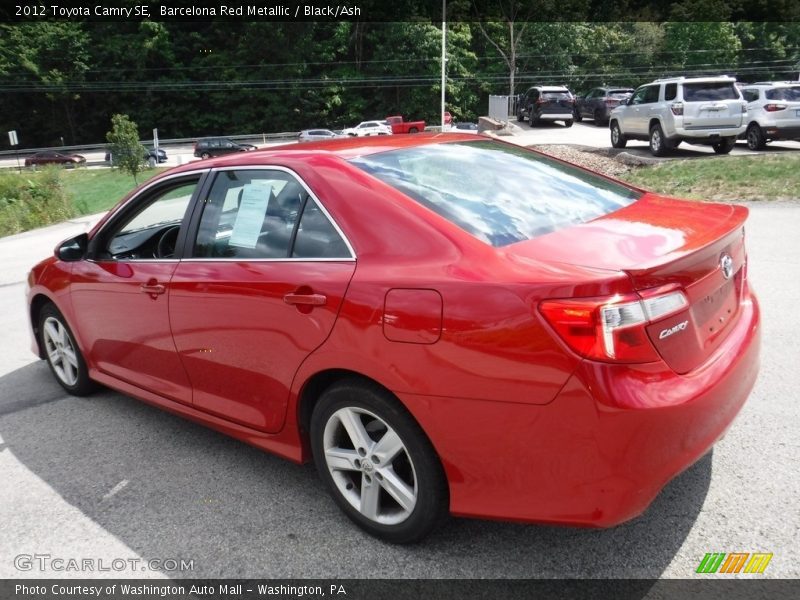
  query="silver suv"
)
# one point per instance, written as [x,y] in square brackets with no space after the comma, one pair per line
[773,112]
[666,112]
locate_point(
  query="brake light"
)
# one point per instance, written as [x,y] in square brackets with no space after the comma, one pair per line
[775,107]
[677,108]
[612,329]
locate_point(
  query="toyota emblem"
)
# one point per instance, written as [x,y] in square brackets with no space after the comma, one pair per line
[726,264]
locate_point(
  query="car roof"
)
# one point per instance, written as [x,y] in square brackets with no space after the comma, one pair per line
[772,84]
[550,88]
[344,148]
[683,79]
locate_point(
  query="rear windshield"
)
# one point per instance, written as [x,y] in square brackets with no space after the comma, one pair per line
[619,93]
[556,95]
[499,193]
[790,94]
[710,90]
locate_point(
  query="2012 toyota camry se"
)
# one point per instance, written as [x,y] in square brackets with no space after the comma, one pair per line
[442,323]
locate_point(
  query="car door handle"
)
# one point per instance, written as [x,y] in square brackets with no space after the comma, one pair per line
[152,288]
[305,299]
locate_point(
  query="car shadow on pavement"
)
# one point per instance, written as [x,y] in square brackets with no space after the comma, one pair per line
[195,494]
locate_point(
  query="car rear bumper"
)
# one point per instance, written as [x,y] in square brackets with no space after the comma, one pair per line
[603,449]
[777,132]
[554,116]
[705,135]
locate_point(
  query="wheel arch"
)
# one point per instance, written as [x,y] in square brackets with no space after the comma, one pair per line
[655,121]
[315,386]
[38,302]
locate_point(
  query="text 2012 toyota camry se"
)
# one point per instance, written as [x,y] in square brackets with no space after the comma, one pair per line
[444,324]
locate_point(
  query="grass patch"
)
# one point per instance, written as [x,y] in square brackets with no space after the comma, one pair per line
[29,200]
[726,178]
[96,190]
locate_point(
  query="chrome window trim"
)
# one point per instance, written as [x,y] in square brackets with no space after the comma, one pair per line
[311,194]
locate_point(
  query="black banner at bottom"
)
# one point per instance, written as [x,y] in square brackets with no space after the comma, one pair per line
[396,589]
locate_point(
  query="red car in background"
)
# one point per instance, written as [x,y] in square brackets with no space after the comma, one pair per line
[54,158]
[399,125]
[444,324]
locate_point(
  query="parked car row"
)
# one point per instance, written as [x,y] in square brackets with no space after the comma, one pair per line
[714,111]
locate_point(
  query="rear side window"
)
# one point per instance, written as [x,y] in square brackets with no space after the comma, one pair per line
[670,91]
[496,192]
[259,214]
[790,94]
[710,91]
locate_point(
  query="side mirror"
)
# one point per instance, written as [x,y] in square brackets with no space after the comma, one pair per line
[73,249]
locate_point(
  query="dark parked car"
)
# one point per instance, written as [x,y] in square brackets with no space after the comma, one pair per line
[599,103]
[547,103]
[158,156]
[208,147]
[54,158]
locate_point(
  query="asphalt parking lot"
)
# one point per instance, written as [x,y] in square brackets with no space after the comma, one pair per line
[108,477]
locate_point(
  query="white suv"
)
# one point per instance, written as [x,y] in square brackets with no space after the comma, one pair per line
[367,128]
[773,112]
[666,112]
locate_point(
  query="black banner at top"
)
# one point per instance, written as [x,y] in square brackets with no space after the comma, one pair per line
[401,10]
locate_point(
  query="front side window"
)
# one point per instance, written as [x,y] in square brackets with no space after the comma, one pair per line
[638,96]
[496,192]
[151,233]
[651,94]
[264,214]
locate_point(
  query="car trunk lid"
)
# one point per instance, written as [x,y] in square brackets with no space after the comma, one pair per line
[665,245]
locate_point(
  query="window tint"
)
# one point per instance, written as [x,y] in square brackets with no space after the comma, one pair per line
[254,214]
[638,96]
[670,91]
[138,236]
[709,91]
[651,94]
[750,95]
[496,192]
[316,236]
[556,95]
[788,94]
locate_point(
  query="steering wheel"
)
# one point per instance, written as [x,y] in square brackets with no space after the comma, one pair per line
[166,243]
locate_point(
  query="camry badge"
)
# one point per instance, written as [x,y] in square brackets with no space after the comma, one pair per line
[726,264]
[665,333]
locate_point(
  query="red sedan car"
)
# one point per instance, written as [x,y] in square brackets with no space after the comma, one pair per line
[54,158]
[443,323]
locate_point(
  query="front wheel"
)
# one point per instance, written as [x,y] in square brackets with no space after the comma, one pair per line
[568,123]
[725,146]
[578,115]
[617,139]
[63,355]
[377,463]
[205,155]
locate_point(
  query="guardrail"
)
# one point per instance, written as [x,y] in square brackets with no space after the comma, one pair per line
[264,137]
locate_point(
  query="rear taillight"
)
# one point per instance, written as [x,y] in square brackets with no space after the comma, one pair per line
[612,329]
[775,107]
[676,108]
[611,102]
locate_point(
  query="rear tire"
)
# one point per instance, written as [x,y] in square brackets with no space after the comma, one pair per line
[578,115]
[377,463]
[520,118]
[205,155]
[725,146]
[568,123]
[658,143]
[62,353]
[413,130]
[617,139]
[598,118]
[755,137]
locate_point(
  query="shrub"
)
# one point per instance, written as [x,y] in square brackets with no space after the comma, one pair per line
[30,200]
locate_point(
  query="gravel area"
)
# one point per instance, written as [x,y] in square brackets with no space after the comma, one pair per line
[602,160]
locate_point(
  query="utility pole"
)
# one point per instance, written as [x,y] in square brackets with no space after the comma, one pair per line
[444,57]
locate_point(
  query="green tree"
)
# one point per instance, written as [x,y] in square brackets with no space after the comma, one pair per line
[126,150]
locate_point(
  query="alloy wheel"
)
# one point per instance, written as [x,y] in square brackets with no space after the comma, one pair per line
[370,465]
[60,351]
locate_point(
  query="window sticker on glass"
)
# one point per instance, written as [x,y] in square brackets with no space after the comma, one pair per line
[250,217]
